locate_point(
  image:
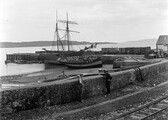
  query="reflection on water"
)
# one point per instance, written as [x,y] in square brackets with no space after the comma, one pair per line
[13,69]
[52,66]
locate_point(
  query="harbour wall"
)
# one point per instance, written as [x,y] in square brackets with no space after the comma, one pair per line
[60,92]
[20,57]
[109,59]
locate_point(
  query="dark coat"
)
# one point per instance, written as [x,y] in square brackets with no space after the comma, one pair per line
[108,78]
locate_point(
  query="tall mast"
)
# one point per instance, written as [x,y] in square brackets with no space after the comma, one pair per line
[56,36]
[67,31]
[56,30]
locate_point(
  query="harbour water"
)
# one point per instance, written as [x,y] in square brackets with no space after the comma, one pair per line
[15,69]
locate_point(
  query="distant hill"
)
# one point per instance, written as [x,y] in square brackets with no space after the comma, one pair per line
[139,43]
[42,43]
[144,41]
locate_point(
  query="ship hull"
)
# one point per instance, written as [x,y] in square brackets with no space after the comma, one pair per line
[94,64]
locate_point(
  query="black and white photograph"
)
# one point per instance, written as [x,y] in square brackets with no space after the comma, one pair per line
[83,59]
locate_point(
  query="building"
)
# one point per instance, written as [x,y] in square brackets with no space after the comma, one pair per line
[162,43]
[109,50]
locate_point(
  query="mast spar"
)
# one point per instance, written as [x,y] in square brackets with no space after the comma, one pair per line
[56,35]
[67,30]
[67,22]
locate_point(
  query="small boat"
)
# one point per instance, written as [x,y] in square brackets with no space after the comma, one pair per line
[20,61]
[85,62]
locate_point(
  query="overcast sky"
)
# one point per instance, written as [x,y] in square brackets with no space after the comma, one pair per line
[99,20]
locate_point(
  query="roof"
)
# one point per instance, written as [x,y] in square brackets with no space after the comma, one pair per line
[162,40]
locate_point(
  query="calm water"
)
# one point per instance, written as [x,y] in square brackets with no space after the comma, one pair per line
[15,69]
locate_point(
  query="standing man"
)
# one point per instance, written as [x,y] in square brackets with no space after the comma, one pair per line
[80,82]
[108,78]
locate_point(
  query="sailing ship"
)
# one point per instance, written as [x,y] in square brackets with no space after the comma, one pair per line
[52,56]
[61,55]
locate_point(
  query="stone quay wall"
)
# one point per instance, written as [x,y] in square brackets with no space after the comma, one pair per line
[60,92]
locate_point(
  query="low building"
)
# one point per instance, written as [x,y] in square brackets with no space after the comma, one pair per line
[162,43]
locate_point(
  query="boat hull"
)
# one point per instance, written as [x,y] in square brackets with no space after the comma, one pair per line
[54,62]
[85,65]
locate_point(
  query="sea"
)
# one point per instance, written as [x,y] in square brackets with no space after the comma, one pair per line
[16,69]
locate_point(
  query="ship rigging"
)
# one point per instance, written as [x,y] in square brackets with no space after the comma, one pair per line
[60,41]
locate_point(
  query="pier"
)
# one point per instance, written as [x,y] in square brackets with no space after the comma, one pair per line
[23,58]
